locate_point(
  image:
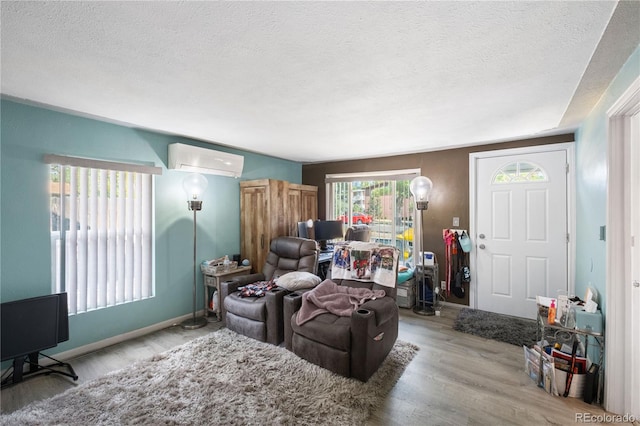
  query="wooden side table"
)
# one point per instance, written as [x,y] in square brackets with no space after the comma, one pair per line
[212,283]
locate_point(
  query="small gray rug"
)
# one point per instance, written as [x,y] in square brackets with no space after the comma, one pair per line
[221,379]
[505,328]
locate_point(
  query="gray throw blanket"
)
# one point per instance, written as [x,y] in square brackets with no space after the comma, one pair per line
[333,298]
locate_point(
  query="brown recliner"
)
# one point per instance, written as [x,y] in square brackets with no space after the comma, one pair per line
[352,346]
[261,317]
[358,233]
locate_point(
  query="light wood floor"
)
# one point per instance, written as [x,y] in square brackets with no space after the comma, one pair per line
[455,379]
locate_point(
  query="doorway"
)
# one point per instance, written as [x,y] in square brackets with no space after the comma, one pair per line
[622,378]
[520,214]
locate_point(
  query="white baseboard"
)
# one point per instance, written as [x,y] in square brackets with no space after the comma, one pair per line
[92,347]
[454,305]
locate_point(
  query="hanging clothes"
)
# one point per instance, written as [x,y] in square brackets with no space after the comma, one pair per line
[457,271]
[458,286]
[448,237]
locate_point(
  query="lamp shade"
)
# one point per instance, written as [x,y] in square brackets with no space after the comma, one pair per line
[194,185]
[421,187]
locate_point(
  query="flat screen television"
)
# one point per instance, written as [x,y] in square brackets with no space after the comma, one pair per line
[326,230]
[32,325]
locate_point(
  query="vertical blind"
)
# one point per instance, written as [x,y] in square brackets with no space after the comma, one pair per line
[381,200]
[101,234]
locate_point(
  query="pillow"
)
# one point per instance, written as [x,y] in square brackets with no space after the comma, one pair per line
[297,280]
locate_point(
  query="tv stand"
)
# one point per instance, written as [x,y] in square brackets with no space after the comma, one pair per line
[35,369]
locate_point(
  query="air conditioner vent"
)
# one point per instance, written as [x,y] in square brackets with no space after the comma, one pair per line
[191,158]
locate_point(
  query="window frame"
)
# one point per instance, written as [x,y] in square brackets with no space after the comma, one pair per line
[134,232]
[382,175]
[512,173]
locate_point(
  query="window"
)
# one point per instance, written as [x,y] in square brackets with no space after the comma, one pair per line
[102,245]
[381,200]
[519,172]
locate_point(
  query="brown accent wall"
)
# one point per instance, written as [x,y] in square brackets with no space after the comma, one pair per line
[449,171]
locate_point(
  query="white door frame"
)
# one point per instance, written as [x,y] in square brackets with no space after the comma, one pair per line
[618,262]
[474,157]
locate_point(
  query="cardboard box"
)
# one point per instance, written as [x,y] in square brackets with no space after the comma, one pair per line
[429,258]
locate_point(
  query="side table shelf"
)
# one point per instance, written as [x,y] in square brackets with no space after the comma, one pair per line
[594,340]
[212,283]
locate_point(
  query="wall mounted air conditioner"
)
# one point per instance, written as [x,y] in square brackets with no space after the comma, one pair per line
[201,160]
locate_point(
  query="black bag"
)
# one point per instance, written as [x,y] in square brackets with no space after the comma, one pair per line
[458,288]
[463,275]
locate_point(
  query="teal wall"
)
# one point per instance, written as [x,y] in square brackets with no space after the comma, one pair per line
[591,184]
[28,133]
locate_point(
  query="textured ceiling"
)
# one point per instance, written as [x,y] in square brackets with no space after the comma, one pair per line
[313,81]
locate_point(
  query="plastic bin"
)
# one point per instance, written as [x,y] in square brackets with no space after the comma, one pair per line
[406,293]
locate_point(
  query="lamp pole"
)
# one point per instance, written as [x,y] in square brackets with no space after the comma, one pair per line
[421,187]
[194,185]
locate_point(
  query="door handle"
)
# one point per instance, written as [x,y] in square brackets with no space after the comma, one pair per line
[481,236]
[482,246]
[636,283]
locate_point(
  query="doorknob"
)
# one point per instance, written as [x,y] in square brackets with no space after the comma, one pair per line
[482,246]
[636,284]
[481,236]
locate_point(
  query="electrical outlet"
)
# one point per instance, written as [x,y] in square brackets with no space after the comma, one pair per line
[456,221]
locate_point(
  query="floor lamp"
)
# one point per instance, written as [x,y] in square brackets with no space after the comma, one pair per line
[420,188]
[194,185]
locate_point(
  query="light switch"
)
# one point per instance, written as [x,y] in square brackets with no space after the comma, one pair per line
[456,221]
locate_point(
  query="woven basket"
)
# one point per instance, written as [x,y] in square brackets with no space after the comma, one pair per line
[217,268]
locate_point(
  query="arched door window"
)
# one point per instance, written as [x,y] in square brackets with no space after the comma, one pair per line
[520,172]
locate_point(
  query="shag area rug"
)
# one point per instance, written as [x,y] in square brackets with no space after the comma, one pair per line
[221,379]
[505,328]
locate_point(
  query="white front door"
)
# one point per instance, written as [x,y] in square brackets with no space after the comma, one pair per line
[521,230]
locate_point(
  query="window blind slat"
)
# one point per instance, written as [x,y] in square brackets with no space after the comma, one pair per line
[92,241]
[147,236]
[103,245]
[81,242]
[112,242]
[70,245]
[137,237]
[128,241]
[120,242]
